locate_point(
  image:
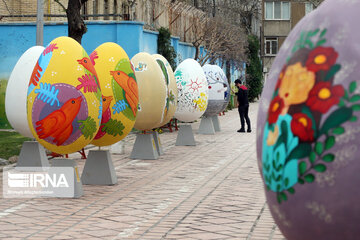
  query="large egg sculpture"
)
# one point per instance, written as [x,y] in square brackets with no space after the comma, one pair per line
[152,92]
[64,102]
[192,91]
[16,91]
[119,93]
[308,127]
[171,88]
[219,89]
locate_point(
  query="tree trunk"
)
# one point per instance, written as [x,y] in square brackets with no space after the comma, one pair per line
[76,25]
[197,52]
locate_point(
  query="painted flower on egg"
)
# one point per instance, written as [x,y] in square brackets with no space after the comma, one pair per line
[307,111]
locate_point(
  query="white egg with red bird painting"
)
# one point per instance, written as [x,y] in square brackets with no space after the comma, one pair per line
[119,93]
[308,127]
[171,88]
[192,91]
[219,89]
[16,91]
[64,106]
[152,92]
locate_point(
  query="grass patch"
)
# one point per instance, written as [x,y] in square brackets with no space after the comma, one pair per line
[4,123]
[10,144]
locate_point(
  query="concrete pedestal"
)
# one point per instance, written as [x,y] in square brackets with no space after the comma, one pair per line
[158,143]
[63,162]
[144,147]
[206,126]
[99,169]
[118,148]
[185,136]
[216,123]
[32,154]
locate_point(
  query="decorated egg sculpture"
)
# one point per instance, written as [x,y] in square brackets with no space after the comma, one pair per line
[64,98]
[192,91]
[152,92]
[219,89]
[308,127]
[171,88]
[119,93]
[16,91]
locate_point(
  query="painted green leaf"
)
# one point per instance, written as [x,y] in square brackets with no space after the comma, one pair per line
[319,148]
[336,118]
[346,95]
[283,196]
[355,107]
[291,190]
[286,182]
[355,98]
[309,43]
[302,150]
[329,143]
[323,32]
[328,157]
[338,130]
[163,69]
[341,103]
[113,127]
[352,87]
[309,178]
[88,127]
[353,119]
[320,42]
[320,167]
[312,157]
[301,181]
[333,70]
[279,198]
[302,168]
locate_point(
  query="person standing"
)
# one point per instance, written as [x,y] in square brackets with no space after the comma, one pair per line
[243,105]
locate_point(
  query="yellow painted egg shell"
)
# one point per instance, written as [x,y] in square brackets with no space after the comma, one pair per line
[64,98]
[152,91]
[171,88]
[192,91]
[119,93]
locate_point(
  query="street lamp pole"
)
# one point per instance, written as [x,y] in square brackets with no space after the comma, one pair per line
[40,23]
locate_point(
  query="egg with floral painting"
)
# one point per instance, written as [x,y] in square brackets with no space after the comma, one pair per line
[192,91]
[308,127]
[152,92]
[16,90]
[119,93]
[64,101]
[219,89]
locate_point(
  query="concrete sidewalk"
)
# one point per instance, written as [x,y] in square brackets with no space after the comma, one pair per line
[211,191]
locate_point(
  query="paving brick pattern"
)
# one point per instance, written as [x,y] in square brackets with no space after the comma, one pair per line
[210,191]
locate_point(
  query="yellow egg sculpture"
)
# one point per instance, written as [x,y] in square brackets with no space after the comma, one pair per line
[119,93]
[152,92]
[64,99]
[171,88]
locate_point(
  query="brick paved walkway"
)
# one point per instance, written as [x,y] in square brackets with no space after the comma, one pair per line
[211,191]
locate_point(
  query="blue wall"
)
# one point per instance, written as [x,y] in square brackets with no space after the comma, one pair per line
[16,38]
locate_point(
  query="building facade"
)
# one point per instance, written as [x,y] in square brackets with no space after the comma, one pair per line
[278,19]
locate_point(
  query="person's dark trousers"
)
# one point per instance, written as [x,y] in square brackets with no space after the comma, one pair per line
[243,111]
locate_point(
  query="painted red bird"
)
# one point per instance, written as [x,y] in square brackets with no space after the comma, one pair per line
[58,124]
[129,85]
[89,63]
[106,115]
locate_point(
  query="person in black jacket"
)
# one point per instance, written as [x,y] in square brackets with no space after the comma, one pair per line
[243,107]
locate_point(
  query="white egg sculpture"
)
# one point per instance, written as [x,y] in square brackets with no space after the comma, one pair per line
[192,91]
[219,89]
[16,91]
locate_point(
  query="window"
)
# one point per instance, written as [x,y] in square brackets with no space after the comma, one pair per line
[308,7]
[277,10]
[271,46]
